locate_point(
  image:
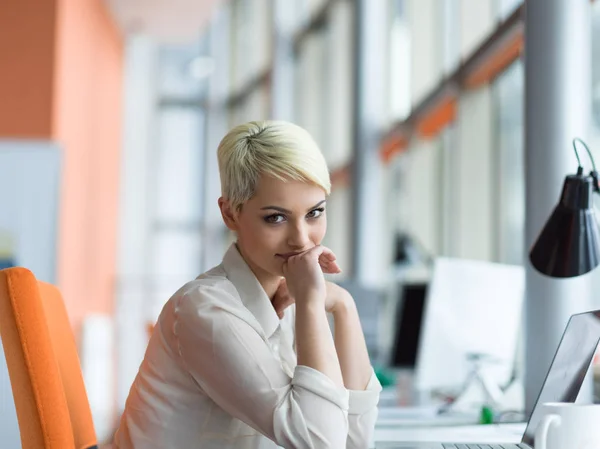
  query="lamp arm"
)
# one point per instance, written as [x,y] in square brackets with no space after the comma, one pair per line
[594,172]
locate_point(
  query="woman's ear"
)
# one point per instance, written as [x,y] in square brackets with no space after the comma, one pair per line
[228,214]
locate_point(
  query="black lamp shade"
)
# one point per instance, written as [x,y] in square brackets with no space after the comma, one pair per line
[569,244]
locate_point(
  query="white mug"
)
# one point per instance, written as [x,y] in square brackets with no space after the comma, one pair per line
[568,426]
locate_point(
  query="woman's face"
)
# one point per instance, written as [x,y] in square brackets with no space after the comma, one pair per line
[280,220]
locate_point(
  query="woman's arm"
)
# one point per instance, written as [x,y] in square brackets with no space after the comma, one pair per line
[349,339]
[314,344]
[359,378]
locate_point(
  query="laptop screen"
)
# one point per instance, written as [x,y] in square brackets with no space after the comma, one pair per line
[569,367]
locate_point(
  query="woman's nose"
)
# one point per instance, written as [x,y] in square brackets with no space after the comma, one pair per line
[298,237]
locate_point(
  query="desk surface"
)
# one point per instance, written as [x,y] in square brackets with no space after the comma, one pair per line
[496,433]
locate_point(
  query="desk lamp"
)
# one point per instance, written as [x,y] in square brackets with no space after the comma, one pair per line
[569,243]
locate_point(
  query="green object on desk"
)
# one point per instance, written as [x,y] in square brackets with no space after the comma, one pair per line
[487,415]
[385,377]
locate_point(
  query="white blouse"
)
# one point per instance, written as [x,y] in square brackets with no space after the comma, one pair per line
[220,373]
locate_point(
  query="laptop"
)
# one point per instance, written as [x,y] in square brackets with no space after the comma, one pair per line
[562,384]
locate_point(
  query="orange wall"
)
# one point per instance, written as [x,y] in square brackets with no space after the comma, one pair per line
[26,67]
[87,124]
[61,64]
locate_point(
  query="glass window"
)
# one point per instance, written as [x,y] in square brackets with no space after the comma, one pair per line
[477,21]
[184,70]
[506,7]
[311,71]
[252,30]
[472,175]
[288,16]
[257,106]
[421,216]
[260,36]
[175,260]
[451,38]
[510,169]
[338,238]
[175,241]
[253,106]
[399,61]
[414,200]
[241,48]
[596,63]
[426,47]
[448,194]
[337,132]
[314,6]
[178,190]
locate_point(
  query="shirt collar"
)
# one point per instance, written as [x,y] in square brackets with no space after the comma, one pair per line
[251,292]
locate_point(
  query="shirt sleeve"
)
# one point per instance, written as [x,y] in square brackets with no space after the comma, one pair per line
[362,414]
[227,355]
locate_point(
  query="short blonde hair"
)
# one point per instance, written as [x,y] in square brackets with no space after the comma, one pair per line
[275,148]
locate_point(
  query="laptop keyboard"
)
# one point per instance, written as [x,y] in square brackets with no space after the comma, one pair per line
[485,446]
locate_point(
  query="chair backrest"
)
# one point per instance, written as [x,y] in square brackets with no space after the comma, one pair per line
[45,374]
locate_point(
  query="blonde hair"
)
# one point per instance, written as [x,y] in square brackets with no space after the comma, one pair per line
[274,148]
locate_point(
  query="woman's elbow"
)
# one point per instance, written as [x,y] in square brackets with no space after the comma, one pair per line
[310,427]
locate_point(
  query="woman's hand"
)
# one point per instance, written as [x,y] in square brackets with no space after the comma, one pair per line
[335,298]
[304,274]
[328,263]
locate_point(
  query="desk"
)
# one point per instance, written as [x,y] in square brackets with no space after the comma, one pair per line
[399,417]
[494,433]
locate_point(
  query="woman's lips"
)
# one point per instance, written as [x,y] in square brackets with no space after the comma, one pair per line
[286,256]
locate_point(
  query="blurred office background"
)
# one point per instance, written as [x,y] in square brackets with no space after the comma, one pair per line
[420,117]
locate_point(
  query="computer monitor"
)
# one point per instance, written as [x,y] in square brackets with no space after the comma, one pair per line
[407,325]
[473,307]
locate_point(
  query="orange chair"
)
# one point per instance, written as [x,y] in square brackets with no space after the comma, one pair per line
[45,374]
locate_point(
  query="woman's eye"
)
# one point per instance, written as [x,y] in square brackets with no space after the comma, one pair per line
[316,213]
[275,218]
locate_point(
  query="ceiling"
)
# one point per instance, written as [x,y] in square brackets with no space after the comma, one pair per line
[173,21]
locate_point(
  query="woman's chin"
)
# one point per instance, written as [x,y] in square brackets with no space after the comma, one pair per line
[277,268]
[278,271]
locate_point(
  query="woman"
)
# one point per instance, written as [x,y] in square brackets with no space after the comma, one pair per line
[243,356]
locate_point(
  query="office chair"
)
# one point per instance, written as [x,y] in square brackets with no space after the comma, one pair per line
[45,374]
